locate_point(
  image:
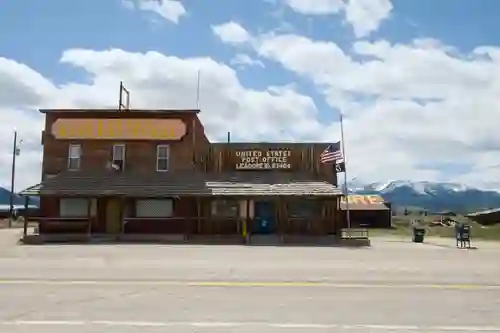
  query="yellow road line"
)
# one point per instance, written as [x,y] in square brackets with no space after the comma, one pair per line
[289,284]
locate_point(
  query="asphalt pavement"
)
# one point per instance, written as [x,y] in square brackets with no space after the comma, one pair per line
[393,286]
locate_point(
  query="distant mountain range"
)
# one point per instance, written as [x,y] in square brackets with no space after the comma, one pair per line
[431,196]
[18,200]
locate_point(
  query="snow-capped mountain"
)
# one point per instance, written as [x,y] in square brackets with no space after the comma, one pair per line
[433,196]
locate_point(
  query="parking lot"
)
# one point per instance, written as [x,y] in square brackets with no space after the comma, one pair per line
[393,286]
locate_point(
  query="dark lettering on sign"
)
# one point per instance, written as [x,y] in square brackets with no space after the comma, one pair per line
[263,160]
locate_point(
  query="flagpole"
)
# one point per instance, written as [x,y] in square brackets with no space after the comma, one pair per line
[346,191]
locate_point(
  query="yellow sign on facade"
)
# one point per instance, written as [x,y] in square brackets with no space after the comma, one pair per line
[356,199]
[119,129]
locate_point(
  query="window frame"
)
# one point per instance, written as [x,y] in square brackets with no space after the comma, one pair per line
[70,157]
[158,158]
[228,204]
[160,201]
[85,207]
[295,208]
[113,155]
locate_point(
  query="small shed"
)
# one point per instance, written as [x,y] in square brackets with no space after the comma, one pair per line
[367,211]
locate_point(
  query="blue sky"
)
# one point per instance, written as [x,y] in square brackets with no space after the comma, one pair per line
[37,32]
[416,63]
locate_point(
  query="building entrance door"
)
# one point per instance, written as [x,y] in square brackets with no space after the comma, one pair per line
[113,216]
[265,217]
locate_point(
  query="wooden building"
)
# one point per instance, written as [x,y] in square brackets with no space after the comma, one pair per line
[112,173]
[366,211]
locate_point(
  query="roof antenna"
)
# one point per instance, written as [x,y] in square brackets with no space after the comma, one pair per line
[121,105]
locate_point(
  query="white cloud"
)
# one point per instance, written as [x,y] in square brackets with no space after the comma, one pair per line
[231,33]
[404,105]
[155,80]
[365,16]
[244,60]
[316,7]
[171,10]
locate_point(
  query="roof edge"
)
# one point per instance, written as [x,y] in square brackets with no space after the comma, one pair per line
[109,110]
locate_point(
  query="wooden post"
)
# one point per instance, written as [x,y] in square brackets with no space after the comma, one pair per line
[247,220]
[282,218]
[187,223]
[89,217]
[198,215]
[25,225]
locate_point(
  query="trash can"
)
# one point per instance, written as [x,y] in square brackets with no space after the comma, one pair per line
[418,235]
[462,234]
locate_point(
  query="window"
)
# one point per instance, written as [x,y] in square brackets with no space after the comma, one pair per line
[162,155]
[301,208]
[154,208]
[119,156]
[225,208]
[73,207]
[74,156]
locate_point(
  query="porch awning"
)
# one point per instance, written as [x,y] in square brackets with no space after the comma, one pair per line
[187,184]
[32,191]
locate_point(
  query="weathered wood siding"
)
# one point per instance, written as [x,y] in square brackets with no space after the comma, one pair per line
[301,158]
[140,154]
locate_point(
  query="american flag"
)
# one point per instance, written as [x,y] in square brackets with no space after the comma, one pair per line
[331,154]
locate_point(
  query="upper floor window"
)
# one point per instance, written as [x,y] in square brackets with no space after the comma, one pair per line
[162,157]
[74,156]
[118,157]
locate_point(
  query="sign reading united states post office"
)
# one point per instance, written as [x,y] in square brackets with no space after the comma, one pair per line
[263,159]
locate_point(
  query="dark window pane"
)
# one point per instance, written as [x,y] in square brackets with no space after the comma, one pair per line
[162,152]
[304,208]
[225,208]
[162,164]
[74,163]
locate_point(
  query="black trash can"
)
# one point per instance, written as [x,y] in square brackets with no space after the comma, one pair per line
[418,235]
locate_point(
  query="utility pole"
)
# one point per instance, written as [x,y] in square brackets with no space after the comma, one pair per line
[15,153]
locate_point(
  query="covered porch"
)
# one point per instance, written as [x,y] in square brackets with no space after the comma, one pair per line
[218,209]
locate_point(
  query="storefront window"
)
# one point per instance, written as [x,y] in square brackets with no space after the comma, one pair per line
[225,208]
[154,208]
[298,208]
[73,207]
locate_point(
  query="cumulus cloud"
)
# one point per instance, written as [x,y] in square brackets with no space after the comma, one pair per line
[232,33]
[155,81]
[244,60]
[405,104]
[171,10]
[365,16]
[316,7]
